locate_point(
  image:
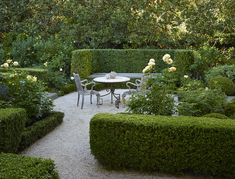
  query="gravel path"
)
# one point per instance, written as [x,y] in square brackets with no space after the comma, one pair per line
[68,144]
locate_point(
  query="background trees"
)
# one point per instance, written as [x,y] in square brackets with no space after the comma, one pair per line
[48,30]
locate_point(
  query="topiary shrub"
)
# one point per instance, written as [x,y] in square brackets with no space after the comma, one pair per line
[221,70]
[216,115]
[200,102]
[223,83]
[18,166]
[229,108]
[160,143]
[12,123]
[40,129]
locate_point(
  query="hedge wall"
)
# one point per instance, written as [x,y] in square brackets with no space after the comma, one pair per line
[17,166]
[12,122]
[160,143]
[40,129]
[88,61]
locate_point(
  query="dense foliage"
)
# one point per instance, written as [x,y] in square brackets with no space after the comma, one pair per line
[18,166]
[33,32]
[12,123]
[26,91]
[171,144]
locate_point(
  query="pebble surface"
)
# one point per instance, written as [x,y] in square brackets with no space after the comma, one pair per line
[68,144]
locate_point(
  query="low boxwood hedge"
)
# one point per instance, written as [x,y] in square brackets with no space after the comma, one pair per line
[88,61]
[17,166]
[159,143]
[12,122]
[40,129]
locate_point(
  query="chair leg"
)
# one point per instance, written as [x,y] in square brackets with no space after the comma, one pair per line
[82,101]
[78,99]
[91,98]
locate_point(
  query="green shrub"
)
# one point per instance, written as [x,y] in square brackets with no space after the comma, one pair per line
[207,57]
[221,70]
[223,83]
[1,55]
[200,102]
[40,129]
[229,108]
[24,52]
[27,92]
[86,62]
[18,166]
[216,115]
[12,123]
[156,101]
[160,143]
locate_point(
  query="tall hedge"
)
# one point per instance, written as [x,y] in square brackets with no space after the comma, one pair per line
[12,123]
[18,166]
[160,143]
[88,61]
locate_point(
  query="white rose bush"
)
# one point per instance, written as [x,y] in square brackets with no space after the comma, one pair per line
[24,91]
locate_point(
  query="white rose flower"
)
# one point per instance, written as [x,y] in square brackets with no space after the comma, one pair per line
[61,69]
[165,57]
[9,61]
[72,78]
[146,69]
[29,77]
[45,64]
[152,60]
[185,76]
[169,61]
[5,65]
[34,79]
[172,69]
[15,63]
[151,64]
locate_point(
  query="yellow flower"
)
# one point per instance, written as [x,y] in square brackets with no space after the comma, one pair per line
[5,65]
[9,61]
[151,64]
[45,64]
[152,60]
[169,61]
[166,57]
[29,77]
[15,63]
[172,69]
[34,79]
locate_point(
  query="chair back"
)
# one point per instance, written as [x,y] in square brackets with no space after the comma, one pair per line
[78,83]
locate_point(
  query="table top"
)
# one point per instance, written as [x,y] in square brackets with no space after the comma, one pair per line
[118,79]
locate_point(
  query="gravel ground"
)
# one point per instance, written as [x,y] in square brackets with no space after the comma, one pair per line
[68,144]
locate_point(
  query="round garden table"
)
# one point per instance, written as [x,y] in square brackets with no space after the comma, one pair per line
[110,83]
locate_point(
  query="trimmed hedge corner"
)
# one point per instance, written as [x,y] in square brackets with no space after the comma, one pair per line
[17,166]
[88,61]
[40,129]
[12,123]
[168,144]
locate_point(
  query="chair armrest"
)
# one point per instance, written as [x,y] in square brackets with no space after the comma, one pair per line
[84,81]
[130,84]
[88,84]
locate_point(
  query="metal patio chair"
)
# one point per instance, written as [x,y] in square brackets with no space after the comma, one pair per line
[82,90]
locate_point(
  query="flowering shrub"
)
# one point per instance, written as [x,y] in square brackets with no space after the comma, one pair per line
[27,92]
[156,101]
[10,63]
